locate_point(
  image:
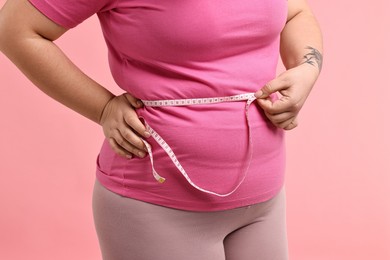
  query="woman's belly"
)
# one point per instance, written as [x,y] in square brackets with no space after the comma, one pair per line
[212,144]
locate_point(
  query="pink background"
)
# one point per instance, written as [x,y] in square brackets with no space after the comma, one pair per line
[338,175]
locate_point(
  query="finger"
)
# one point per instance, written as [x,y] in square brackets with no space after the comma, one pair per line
[265,103]
[118,149]
[135,102]
[270,87]
[133,139]
[131,119]
[280,123]
[127,146]
[283,120]
[290,125]
[275,107]
[280,118]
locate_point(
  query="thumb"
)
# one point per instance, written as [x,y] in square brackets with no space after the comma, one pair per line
[265,103]
[269,88]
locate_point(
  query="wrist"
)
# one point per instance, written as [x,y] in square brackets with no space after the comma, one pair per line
[310,70]
[104,108]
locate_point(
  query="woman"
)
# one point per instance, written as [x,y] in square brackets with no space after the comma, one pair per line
[192,166]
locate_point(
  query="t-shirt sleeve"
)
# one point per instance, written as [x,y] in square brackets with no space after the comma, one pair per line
[70,13]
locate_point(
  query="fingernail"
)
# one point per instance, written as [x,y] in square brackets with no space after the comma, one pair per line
[141,154]
[129,156]
[147,134]
[139,103]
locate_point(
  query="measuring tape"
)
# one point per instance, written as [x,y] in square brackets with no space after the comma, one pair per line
[248,97]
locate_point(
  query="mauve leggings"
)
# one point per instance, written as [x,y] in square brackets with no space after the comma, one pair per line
[129,229]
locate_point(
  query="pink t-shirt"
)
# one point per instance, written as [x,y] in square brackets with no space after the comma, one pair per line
[178,49]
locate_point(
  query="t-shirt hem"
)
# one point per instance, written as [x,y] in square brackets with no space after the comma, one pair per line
[141,195]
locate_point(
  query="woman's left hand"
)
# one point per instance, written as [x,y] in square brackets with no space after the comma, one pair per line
[294,86]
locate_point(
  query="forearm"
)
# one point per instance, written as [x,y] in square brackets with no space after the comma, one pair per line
[301,41]
[51,71]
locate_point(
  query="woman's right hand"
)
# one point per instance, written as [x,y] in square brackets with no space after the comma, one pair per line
[122,127]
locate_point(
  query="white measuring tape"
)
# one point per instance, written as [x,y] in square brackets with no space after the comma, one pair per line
[248,97]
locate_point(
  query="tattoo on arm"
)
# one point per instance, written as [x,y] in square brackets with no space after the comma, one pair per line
[313,57]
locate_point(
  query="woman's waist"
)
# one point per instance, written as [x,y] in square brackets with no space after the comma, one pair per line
[216,125]
[202,137]
[219,115]
[205,154]
[226,142]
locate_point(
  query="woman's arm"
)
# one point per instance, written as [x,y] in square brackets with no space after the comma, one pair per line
[301,38]
[26,38]
[301,53]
